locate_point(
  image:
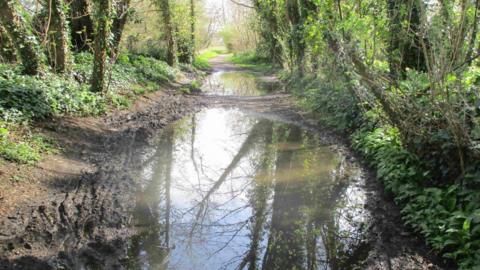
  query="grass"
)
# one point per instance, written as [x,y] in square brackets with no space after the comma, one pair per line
[201,60]
[19,145]
[251,60]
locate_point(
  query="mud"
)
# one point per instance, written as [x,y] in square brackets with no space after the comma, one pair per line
[83,220]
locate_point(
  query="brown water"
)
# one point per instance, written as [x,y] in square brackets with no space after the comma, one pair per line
[227,190]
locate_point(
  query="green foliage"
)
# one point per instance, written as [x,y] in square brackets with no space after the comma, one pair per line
[201,60]
[150,69]
[39,97]
[251,60]
[25,98]
[448,217]
[23,149]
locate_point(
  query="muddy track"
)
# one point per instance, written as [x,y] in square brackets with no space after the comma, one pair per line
[84,221]
[388,243]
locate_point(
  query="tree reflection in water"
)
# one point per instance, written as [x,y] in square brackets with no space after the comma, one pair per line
[224,190]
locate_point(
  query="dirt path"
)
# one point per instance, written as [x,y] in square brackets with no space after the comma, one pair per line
[74,210]
[389,244]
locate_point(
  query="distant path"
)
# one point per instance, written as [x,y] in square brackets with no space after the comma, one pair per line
[221,63]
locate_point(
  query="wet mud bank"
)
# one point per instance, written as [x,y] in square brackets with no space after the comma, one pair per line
[82,221]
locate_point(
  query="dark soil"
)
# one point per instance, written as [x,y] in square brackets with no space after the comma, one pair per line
[74,210]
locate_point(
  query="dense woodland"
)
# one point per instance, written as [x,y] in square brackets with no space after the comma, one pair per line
[400,78]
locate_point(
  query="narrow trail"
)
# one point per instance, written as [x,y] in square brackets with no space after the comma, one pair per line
[84,221]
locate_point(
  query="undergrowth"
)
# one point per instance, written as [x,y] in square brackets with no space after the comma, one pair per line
[251,60]
[24,98]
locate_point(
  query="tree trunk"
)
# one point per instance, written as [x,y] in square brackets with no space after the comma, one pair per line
[405,49]
[118,25]
[270,34]
[297,46]
[192,30]
[59,40]
[81,25]
[23,41]
[169,36]
[101,43]
[7,51]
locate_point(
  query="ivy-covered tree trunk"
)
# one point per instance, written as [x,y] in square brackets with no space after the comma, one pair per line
[296,44]
[22,39]
[192,30]
[169,35]
[7,51]
[269,29]
[59,38]
[405,48]
[101,42]
[118,25]
[81,25]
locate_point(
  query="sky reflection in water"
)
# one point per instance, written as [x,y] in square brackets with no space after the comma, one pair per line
[225,190]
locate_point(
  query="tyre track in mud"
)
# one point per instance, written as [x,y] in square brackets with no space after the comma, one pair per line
[85,221]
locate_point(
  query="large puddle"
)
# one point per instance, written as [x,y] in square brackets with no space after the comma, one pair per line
[237,83]
[227,190]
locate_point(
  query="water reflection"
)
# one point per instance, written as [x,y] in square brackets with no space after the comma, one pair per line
[224,190]
[236,83]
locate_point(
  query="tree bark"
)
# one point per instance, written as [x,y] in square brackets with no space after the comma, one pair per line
[81,24]
[192,30]
[296,43]
[23,41]
[101,43]
[169,35]
[7,51]
[118,25]
[59,40]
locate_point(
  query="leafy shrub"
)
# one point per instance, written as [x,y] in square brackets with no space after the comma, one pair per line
[151,69]
[25,98]
[40,97]
[448,217]
[329,99]
[25,149]
[251,60]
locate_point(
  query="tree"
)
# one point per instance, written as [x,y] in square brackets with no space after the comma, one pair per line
[101,43]
[169,34]
[192,30]
[7,51]
[60,56]
[405,46]
[119,22]
[23,40]
[81,25]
